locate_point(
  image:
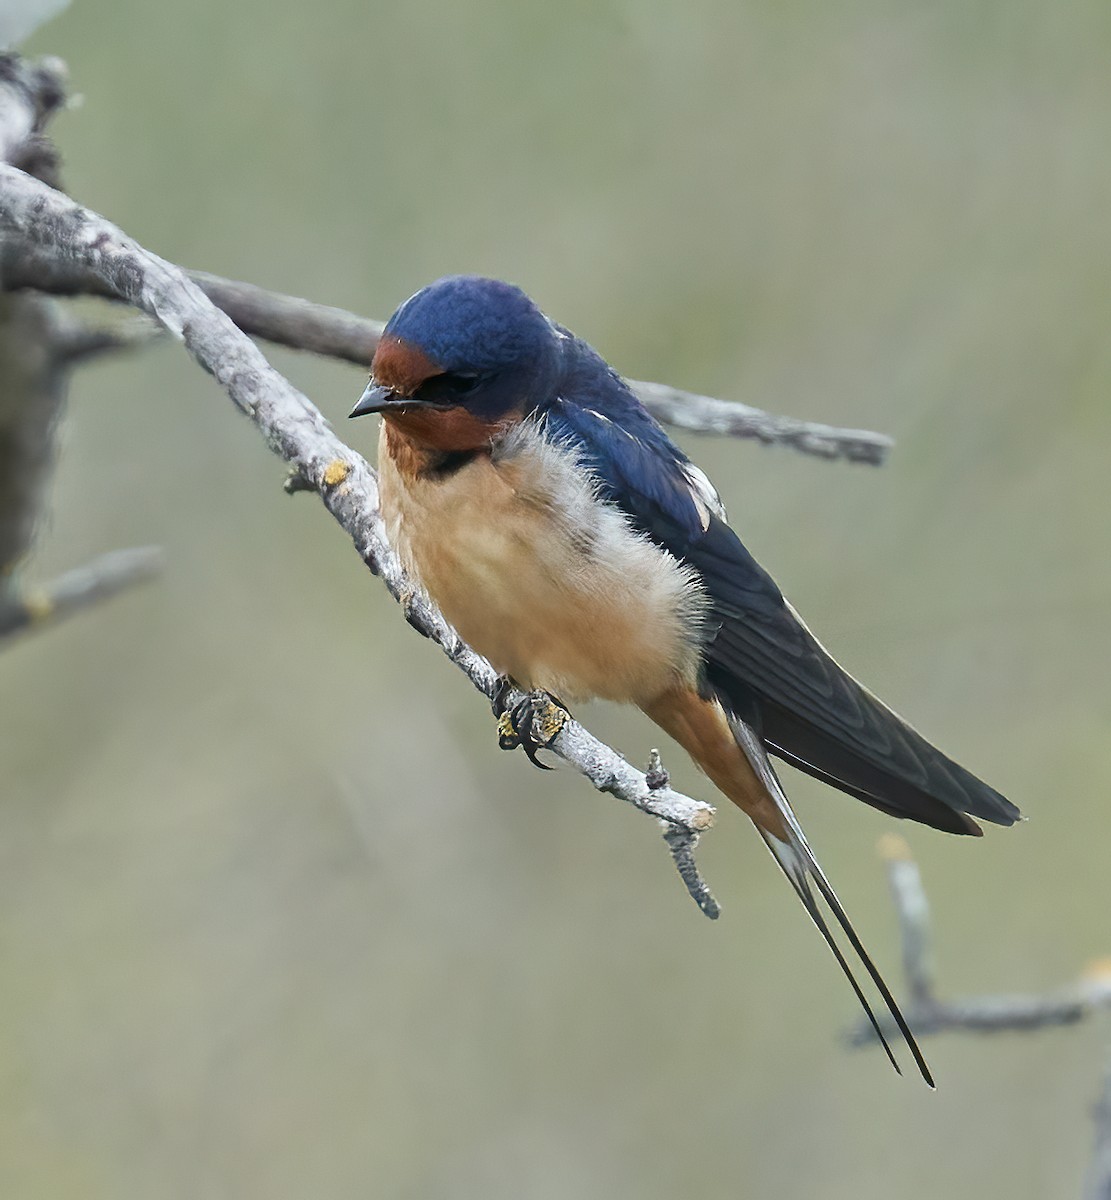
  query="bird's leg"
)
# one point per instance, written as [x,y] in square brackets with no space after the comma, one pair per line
[532,723]
[503,687]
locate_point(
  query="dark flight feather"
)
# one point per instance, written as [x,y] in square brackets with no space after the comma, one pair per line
[759,656]
[798,863]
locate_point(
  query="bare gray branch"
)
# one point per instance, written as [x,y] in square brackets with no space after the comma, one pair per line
[981,1014]
[1097,1182]
[682,845]
[320,329]
[705,414]
[289,321]
[987,1014]
[77,341]
[77,590]
[39,343]
[34,383]
[295,430]
[31,401]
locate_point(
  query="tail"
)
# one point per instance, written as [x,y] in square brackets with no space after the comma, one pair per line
[734,757]
[798,863]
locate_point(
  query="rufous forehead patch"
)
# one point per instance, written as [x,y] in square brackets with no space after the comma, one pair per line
[401,366]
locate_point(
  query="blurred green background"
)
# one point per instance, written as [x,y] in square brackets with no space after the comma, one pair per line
[276,918]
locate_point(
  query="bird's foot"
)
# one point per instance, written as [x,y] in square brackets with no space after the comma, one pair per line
[532,723]
[504,687]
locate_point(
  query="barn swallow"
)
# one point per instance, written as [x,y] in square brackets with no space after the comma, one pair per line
[576,547]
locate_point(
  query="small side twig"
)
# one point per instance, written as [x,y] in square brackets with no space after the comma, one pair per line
[81,588]
[77,342]
[682,844]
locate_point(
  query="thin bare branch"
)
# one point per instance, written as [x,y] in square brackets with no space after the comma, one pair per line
[705,414]
[77,341]
[304,325]
[981,1014]
[1097,1182]
[77,590]
[682,844]
[289,321]
[32,397]
[988,1014]
[297,432]
[913,911]
[33,382]
[320,329]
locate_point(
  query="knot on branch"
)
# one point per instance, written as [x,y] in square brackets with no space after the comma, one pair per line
[36,91]
[657,775]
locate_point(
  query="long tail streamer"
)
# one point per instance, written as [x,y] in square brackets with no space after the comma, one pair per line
[799,864]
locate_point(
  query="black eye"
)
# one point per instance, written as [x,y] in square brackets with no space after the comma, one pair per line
[459,383]
[448,388]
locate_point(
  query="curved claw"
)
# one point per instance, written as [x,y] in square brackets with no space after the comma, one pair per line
[530,754]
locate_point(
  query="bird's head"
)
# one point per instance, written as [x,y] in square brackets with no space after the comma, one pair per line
[460,359]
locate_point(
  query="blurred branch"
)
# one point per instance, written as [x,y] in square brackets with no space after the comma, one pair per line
[46,220]
[1097,1183]
[320,329]
[33,378]
[33,383]
[988,1014]
[981,1014]
[704,414]
[77,342]
[77,590]
[39,344]
[290,321]
[30,94]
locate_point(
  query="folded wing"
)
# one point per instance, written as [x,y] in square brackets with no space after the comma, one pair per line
[759,657]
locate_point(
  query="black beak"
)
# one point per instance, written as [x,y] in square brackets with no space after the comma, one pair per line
[378,399]
[375,399]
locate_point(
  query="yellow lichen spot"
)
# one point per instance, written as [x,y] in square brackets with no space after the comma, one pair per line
[505,727]
[336,472]
[549,720]
[38,606]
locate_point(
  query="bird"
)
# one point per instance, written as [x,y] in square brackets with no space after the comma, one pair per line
[572,543]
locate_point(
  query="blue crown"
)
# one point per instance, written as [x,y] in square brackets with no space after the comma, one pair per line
[468,323]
